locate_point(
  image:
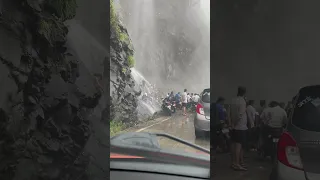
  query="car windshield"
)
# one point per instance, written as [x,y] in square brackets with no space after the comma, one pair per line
[306,113]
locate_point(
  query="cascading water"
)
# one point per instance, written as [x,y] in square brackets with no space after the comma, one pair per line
[91,54]
[150,100]
[171,39]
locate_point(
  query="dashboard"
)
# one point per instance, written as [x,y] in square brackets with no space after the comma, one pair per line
[121,175]
[120,170]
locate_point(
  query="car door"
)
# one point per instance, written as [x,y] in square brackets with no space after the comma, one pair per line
[305,129]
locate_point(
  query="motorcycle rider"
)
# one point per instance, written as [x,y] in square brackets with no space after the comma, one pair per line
[222,123]
[171,96]
[273,118]
[196,98]
[221,109]
[178,99]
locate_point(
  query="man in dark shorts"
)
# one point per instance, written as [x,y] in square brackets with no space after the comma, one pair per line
[239,130]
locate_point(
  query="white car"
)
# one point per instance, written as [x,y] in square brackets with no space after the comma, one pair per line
[298,150]
[202,117]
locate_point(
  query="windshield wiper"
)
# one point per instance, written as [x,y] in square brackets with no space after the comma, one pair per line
[182,142]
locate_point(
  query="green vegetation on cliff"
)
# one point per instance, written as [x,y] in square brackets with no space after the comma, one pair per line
[115,127]
[121,34]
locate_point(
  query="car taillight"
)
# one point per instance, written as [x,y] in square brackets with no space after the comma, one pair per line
[288,152]
[199,109]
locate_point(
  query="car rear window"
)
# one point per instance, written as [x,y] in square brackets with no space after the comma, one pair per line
[206,96]
[306,114]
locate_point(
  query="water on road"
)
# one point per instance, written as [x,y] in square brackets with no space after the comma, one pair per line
[182,127]
[179,126]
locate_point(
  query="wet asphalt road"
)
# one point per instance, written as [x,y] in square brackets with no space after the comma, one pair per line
[183,127]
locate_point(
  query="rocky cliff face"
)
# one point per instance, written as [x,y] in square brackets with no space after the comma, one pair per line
[53,106]
[46,128]
[123,92]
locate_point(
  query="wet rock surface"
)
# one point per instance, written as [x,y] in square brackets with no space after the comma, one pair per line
[47,96]
[123,93]
[54,107]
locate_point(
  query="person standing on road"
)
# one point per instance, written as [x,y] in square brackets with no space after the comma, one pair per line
[184,99]
[189,100]
[260,109]
[239,129]
[251,113]
[288,108]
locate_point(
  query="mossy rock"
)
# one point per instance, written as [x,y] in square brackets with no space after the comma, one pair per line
[131,61]
[64,9]
[114,19]
[52,30]
[121,33]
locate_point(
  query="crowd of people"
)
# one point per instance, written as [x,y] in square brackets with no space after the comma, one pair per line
[184,100]
[248,123]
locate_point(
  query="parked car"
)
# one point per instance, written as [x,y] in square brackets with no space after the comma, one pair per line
[202,117]
[298,151]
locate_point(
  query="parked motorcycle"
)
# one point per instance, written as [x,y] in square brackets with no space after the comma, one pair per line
[193,106]
[168,107]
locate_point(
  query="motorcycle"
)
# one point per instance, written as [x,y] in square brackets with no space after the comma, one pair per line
[269,145]
[178,105]
[173,106]
[168,107]
[193,106]
[224,134]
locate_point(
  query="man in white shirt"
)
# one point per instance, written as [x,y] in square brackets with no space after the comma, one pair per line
[274,116]
[189,100]
[184,99]
[196,98]
[251,113]
[239,129]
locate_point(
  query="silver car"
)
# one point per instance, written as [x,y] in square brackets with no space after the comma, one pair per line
[298,150]
[202,117]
